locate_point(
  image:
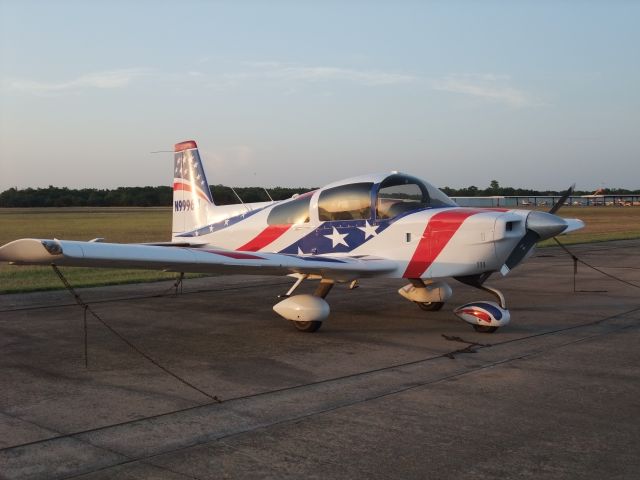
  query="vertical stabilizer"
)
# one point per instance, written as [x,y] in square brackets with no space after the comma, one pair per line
[192,198]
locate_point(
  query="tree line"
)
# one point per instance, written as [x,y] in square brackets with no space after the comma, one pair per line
[132,196]
[494,189]
[223,195]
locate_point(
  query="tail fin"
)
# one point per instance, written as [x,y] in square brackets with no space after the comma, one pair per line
[191,195]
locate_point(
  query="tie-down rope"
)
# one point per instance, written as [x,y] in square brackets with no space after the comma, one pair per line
[87,308]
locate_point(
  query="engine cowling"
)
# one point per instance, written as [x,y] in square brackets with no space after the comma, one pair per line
[487,314]
[303,308]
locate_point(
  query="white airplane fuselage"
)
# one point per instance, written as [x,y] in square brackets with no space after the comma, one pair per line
[429,243]
[376,225]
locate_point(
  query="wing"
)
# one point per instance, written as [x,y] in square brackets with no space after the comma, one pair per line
[32,251]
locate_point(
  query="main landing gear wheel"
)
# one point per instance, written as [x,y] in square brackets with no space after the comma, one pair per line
[305,311]
[308,326]
[430,306]
[484,328]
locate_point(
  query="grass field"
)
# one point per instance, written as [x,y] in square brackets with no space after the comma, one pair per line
[114,224]
[154,224]
[602,224]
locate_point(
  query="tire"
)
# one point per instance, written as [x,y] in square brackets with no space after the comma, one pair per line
[484,329]
[309,327]
[430,306]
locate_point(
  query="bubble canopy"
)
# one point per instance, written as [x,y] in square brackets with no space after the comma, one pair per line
[378,197]
[370,197]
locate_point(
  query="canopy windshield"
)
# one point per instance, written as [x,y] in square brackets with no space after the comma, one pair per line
[399,194]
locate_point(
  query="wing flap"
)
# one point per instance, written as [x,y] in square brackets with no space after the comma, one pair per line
[183,259]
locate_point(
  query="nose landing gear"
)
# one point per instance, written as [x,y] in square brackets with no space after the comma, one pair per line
[485,317]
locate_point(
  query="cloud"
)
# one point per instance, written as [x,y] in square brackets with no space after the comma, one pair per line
[325,74]
[109,79]
[496,88]
[302,73]
[264,72]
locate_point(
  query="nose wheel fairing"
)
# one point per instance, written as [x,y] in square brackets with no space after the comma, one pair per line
[484,316]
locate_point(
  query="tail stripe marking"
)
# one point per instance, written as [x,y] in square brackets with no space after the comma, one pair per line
[187,188]
[188,145]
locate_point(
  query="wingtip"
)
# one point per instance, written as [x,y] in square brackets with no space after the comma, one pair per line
[29,250]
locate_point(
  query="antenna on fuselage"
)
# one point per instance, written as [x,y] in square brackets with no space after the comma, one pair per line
[267,192]
[236,194]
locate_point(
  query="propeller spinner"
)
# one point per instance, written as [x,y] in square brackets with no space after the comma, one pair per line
[539,226]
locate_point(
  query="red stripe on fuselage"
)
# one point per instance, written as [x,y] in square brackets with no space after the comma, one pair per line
[437,234]
[264,238]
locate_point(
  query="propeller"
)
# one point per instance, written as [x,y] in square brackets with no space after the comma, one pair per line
[539,226]
[563,199]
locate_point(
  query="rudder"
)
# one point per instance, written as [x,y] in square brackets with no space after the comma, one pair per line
[191,194]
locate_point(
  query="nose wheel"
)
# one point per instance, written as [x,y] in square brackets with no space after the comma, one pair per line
[484,329]
[430,306]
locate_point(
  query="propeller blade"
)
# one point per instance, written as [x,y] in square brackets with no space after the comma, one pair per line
[563,199]
[525,244]
[540,226]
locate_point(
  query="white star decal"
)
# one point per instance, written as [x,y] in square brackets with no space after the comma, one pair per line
[226,222]
[300,252]
[369,230]
[211,228]
[337,238]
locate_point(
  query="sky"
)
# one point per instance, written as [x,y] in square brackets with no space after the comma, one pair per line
[533,94]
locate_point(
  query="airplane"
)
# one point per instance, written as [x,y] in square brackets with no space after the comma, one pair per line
[597,197]
[390,225]
[599,193]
